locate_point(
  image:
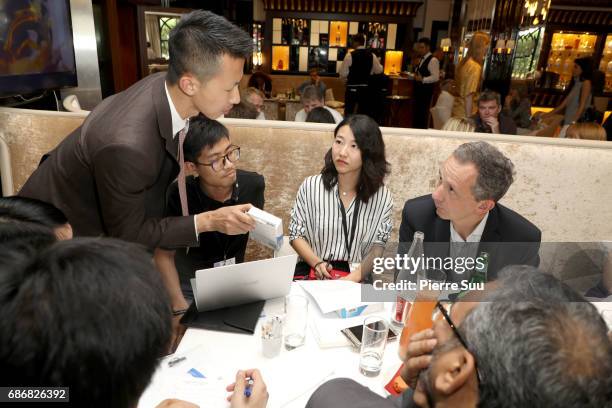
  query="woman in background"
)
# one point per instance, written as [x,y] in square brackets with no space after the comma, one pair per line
[341,218]
[580,94]
[468,75]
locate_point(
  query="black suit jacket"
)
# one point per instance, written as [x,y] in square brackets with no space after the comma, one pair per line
[520,238]
[110,175]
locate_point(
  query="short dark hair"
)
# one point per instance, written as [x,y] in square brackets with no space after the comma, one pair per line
[91,314]
[495,171]
[23,239]
[203,133]
[425,41]
[31,210]
[374,167]
[320,115]
[198,42]
[488,95]
[359,39]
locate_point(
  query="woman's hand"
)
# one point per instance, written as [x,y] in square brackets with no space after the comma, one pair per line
[323,270]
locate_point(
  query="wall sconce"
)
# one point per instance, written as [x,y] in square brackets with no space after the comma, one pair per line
[445,44]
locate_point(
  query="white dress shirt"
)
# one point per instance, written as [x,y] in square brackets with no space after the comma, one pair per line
[433,67]
[348,61]
[178,124]
[466,251]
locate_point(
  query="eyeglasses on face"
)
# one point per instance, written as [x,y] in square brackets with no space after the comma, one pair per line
[233,155]
[443,309]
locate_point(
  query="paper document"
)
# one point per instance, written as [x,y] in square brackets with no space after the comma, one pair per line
[268,228]
[332,295]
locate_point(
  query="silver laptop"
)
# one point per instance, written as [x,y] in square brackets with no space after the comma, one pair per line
[233,285]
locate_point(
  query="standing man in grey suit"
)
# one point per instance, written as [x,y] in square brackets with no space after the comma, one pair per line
[111,174]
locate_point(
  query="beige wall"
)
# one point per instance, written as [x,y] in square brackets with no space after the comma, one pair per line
[563,186]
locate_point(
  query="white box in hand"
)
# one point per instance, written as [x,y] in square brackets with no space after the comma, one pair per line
[268,228]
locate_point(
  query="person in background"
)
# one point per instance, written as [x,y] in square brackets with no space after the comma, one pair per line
[517,106]
[468,75]
[315,80]
[35,211]
[320,115]
[443,108]
[579,96]
[262,81]
[256,98]
[460,125]
[91,314]
[311,98]
[587,131]
[490,118]
[342,217]
[357,67]
[427,75]
[243,110]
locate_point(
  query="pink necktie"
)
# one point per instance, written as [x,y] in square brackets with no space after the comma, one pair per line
[181,177]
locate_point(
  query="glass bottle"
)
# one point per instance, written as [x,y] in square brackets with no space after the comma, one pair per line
[402,304]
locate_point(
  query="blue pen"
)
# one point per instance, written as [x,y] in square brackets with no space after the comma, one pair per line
[248,390]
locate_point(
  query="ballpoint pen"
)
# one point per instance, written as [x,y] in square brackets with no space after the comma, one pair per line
[248,390]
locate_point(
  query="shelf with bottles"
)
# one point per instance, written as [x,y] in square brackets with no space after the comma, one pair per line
[564,49]
[605,65]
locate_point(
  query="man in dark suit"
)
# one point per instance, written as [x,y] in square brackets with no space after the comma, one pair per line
[463,217]
[111,174]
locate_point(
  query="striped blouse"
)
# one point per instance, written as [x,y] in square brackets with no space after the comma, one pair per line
[316,217]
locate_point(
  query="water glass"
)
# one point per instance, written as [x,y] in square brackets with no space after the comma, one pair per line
[296,321]
[373,342]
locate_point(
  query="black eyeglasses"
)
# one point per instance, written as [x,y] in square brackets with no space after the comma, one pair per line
[232,156]
[440,307]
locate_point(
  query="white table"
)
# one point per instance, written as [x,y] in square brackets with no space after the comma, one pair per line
[291,377]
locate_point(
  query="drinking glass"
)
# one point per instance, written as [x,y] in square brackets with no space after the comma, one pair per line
[296,320]
[373,342]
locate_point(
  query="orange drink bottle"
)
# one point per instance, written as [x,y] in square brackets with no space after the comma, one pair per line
[417,319]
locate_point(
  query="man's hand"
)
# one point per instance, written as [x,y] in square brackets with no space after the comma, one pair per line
[418,356]
[259,393]
[418,77]
[493,122]
[323,270]
[228,220]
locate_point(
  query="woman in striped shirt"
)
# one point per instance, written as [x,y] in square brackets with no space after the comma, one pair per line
[343,215]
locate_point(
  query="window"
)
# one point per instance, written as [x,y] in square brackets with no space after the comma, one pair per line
[166,24]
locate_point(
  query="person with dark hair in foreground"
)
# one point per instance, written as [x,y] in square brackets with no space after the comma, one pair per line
[533,343]
[464,217]
[343,215]
[109,176]
[36,211]
[90,314]
[320,115]
[221,192]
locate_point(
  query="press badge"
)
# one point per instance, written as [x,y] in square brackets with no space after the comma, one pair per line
[230,261]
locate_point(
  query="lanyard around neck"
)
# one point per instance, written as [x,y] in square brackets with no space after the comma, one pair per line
[349,241]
